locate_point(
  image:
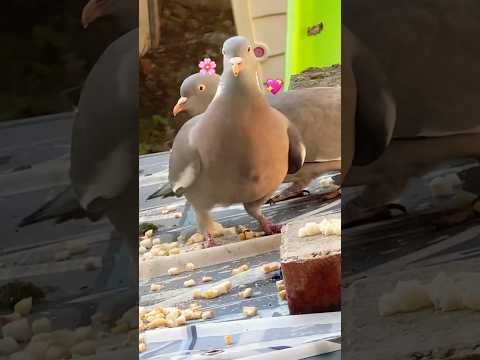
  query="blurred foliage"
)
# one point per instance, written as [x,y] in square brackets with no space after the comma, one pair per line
[186,38]
[155,132]
[45,52]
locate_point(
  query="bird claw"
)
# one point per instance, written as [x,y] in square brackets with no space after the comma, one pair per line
[209,242]
[270,229]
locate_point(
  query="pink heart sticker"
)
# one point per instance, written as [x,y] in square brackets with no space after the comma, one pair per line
[274,86]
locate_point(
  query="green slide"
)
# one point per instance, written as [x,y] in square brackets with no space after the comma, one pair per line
[313,35]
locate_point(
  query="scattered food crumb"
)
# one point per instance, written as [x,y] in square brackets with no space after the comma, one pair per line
[149,233]
[280,284]
[247,293]
[174,271]
[156,287]
[23,307]
[274,266]
[213,292]
[249,311]
[174,251]
[282,294]
[207,279]
[147,243]
[228,340]
[240,269]
[207,315]
[326,227]
[189,283]
[190,266]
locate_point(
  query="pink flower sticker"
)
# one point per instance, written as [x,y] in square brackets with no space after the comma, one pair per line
[207,66]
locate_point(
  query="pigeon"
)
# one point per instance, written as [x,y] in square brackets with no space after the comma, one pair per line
[104,154]
[239,150]
[196,93]
[432,108]
[315,112]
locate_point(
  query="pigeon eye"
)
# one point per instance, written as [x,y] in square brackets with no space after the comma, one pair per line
[201,87]
[249,49]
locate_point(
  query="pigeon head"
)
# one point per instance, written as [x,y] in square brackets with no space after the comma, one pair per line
[196,93]
[238,58]
[125,12]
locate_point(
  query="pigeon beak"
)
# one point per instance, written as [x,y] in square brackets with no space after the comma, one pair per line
[178,106]
[236,61]
[92,10]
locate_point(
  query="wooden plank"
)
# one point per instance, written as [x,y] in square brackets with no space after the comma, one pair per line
[268,7]
[210,256]
[149,32]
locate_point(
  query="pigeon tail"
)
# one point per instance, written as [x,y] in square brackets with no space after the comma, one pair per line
[164,192]
[63,207]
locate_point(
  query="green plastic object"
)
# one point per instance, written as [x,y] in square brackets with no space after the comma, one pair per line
[313,35]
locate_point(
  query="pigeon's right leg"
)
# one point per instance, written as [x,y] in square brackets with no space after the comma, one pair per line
[304,177]
[253,209]
[205,225]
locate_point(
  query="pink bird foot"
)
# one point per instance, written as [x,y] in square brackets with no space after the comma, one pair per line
[209,242]
[270,228]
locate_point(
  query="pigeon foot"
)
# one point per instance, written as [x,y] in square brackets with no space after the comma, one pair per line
[209,242]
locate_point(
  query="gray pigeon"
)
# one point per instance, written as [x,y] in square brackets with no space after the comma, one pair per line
[104,153]
[239,150]
[436,116]
[315,112]
[196,93]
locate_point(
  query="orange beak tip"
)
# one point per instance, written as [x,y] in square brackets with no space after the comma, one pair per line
[177,108]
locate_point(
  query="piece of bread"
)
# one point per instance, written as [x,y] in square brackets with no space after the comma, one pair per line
[311,268]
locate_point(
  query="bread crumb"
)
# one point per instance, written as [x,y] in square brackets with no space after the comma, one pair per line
[274,266]
[190,266]
[195,238]
[189,283]
[142,347]
[181,320]
[155,287]
[326,227]
[249,311]
[194,306]
[147,243]
[280,284]
[228,339]
[174,271]
[207,279]
[148,233]
[174,251]
[282,294]
[197,294]
[240,269]
[207,315]
[23,307]
[247,293]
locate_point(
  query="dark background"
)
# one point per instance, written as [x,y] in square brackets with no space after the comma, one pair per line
[46,54]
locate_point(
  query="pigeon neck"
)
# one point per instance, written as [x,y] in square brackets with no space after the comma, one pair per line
[247,86]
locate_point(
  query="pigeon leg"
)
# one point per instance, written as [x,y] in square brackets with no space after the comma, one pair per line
[253,209]
[205,226]
[209,242]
